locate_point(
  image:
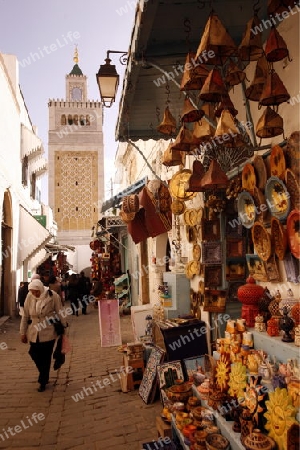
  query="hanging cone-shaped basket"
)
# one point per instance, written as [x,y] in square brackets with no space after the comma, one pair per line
[269,125]
[172,157]
[213,88]
[183,140]
[194,74]
[276,48]
[251,48]
[227,133]
[214,178]
[278,6]
[234,74]
[194,183]
[216,39]
[203,131]
[190,113]
[225,103]
[168,125]
[254,91]
[274,92]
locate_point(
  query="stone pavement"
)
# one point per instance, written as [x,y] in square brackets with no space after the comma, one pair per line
[105,418]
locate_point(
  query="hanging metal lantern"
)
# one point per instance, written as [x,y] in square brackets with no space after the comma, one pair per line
[270,124]
[214,88]
[254,91]
[194,74]
[274,92]
[215,38]
[225,103]
[251,48]
[276,48]
[194,183]
[234,74]
[227,131]
[168,125]
[190,113]
[183,140]
[214,178]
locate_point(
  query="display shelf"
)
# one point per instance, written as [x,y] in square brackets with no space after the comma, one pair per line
[274,346]
[224,425]
[179,434]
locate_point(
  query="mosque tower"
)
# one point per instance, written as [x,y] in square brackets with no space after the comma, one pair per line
[76,165]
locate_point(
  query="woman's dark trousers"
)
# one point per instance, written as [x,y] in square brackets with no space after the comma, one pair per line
[41,353]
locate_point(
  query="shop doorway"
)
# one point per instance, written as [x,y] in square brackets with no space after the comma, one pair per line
[6,243]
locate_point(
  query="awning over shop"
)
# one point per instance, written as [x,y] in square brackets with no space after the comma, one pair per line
[30,142]
[38,258]
[163,33]
[117,199]
[33,236]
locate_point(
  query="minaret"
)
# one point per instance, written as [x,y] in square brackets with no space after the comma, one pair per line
[76,161]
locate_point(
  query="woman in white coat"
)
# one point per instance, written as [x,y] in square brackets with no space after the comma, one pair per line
[42,308]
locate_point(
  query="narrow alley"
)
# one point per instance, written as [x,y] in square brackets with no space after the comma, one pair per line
[58,419]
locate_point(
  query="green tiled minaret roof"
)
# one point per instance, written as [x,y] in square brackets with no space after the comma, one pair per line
[76,70]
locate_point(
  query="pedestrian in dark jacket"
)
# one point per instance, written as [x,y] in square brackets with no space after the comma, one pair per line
[73,293]
[83,291]
[22,294]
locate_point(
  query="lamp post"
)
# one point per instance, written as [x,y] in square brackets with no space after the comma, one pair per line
[108,79]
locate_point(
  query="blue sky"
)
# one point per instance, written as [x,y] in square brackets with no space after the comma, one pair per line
[27,26]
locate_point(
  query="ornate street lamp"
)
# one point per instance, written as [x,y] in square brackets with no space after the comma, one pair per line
[108,79]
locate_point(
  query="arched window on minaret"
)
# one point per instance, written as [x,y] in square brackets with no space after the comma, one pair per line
[70,119]
[63,120]
[76,119]
[82,120]
[88,120]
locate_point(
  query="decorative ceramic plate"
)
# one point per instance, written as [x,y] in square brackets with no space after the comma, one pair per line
[191,216]
[246,209]
[262,241]
[177,207]
[260,171]
[178,183]
[277,197]
[279,237]
[261,205]
[196,252]
[192,268]
[277,162]
[293,188]
[293,232]
[248,178]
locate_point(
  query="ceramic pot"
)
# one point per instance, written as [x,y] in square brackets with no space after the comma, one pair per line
[273,327]
[249,294]
[288,302]
[216,441]
[257,440]
[274,305]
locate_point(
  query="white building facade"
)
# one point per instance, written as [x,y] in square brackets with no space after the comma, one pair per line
[23,236]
